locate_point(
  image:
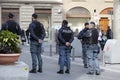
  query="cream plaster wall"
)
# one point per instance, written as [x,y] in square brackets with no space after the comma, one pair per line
[99,5]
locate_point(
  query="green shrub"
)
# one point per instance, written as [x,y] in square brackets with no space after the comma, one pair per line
[9,42]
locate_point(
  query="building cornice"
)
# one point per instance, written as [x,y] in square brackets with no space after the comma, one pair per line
[33,1]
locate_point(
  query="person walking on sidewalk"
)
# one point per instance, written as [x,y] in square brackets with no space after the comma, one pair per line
[84,41]
[28,36]
[36,37]
[92,50]
[65,37]
[23,37]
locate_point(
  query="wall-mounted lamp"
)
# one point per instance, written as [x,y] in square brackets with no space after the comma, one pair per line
[59,11]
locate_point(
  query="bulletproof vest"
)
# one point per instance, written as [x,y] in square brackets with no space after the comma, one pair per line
[12,26]
[94,37]
[66,33]
[84,38]
[37,30]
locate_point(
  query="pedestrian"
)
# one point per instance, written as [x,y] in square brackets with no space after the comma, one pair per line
[28,36]
[100,35]
[84,41]
[36,37]
[65,37]
[109,33]
[92,50]
[23,38]
[104,40]
[11,25]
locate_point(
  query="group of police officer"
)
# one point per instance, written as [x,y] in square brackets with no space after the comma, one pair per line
[89,39]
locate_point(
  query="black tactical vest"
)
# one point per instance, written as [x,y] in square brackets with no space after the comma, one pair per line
[66,33]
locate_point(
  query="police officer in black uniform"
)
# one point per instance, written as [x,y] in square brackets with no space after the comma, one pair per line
[92,50]
[65,37]
[11,25]
[84,41]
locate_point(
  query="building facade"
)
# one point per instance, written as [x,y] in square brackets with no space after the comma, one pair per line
[52,12]
[79,11]
[47,10]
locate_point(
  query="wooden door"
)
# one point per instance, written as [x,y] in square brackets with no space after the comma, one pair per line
[104,23]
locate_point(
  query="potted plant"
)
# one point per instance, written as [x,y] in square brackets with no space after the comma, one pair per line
[9,47]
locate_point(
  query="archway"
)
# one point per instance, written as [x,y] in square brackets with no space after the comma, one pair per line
[77,16]
[105,21]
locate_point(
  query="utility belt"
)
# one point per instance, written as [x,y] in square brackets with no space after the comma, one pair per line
[89,43]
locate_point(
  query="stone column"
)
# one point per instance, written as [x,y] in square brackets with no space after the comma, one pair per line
[116,18]
[26,12]
[56,19]
[0,18]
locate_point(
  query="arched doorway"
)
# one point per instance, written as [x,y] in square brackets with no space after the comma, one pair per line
[77,16]
[105,21]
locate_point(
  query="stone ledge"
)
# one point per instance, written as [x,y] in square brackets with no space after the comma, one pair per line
[16,71]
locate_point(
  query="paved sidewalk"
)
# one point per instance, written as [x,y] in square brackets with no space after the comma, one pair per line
[78,60]
[50,67]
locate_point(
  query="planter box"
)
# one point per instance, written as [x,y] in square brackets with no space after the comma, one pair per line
[8,58]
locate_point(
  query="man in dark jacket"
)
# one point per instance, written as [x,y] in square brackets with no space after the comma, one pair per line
[65,37]
[11,25]
[84,41]
[37,34]
[109,33]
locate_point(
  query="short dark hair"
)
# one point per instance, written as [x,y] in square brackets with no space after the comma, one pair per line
[92,23]
[10,15]
[34,15]
[86,24]
[65,22]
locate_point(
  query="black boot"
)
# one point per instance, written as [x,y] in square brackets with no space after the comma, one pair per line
[67,71]
[85,66]
[60,72]
[33,71]
[40,70]
[97,73]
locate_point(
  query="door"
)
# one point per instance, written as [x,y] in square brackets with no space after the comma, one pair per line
[104,23]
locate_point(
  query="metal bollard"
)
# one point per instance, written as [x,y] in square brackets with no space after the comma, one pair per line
[50,49]
[103,57]
[73,54]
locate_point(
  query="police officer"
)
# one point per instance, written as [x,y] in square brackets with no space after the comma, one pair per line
[37,35]
[92,50]
[65,37]
[84,41]
[11,25]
